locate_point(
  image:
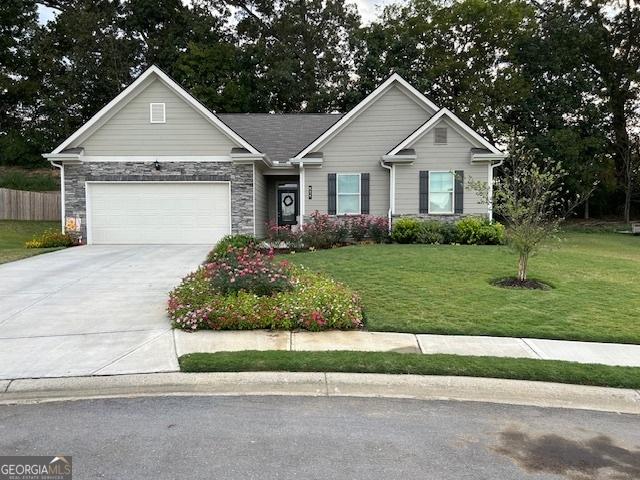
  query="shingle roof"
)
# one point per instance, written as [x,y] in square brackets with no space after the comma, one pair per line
[280,136]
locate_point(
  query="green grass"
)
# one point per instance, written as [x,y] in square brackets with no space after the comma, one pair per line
[41,180]
[446,289]
[13,234]
[413,363]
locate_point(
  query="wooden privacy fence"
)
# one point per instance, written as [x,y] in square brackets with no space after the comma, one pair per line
[22,205]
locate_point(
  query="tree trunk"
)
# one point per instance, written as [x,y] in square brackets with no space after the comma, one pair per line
[523,262]
[622,145]
[586,209]
[627,199]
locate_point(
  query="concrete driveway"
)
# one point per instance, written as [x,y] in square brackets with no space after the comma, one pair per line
[91,310]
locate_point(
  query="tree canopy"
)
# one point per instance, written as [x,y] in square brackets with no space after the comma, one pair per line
[562,77]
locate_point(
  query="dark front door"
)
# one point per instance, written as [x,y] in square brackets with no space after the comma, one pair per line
[287,206]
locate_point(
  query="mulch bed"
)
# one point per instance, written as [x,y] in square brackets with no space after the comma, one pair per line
[530,284]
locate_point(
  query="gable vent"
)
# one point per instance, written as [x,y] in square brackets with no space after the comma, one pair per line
[156,113]
[440,135]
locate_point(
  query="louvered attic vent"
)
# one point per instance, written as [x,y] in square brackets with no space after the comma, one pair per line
[441,135]
[157,113]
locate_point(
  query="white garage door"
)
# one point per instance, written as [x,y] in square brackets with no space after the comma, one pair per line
[163,213]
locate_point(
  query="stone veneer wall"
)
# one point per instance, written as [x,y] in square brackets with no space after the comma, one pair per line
[241,177]
[443,218]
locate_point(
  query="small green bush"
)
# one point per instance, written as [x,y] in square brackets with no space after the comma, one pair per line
[50,239]
[479,231]
[230,242]
[406,230]
[449,232]
[431,231]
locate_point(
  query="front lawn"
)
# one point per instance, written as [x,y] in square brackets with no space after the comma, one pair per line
[13,234]
[446,289]
[413,363]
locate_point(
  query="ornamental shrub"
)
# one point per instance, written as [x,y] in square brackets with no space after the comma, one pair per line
[379,229]
[248,270]
[228,242]
[449,233]
[324,232]
[315,302]
[279,235]
[431,231]
[50,239]
[359,227]
[406,230]
[479,231]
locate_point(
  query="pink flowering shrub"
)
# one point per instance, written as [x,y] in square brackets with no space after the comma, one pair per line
[363,227]
[314,302]
[284,234]
[378,229]
[248,270]
[322,231]
[359,227]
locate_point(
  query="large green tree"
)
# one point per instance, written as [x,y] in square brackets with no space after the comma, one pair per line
[299,52]
[457,53]
[18,86]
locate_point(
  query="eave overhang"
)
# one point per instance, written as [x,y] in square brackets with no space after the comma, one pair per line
[487,157]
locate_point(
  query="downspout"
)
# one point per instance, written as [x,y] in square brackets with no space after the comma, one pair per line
[302,195]
[62,212]
[492,166]
[391,192]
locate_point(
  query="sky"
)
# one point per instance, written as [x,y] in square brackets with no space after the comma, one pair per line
[367,9]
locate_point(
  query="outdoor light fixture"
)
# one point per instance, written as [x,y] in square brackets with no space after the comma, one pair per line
[156,164]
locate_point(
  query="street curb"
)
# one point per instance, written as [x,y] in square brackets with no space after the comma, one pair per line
[488,390]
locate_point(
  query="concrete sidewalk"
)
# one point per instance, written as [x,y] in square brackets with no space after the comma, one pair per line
[581,352]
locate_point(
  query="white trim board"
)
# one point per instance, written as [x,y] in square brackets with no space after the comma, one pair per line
[353,113]
[153,158]
[429,124]
[153,70]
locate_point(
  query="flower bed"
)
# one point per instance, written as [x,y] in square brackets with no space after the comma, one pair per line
[247,289]
[323,231]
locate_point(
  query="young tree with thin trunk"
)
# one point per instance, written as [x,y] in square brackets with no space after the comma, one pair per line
[532,200]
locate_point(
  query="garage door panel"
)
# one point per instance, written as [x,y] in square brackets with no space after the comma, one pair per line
[158,212]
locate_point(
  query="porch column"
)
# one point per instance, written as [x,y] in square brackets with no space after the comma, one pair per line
[302,195]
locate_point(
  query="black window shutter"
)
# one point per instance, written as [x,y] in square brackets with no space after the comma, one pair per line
[364,193]
[331,193]
[459,192]
[423,192]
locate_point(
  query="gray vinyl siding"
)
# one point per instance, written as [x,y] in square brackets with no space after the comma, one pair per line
[129,132]
[455,155]
[360,145]
[260,201]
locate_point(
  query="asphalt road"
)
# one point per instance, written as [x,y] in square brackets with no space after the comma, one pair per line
[313,438]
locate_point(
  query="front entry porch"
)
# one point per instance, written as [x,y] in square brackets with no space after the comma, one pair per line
[283,202]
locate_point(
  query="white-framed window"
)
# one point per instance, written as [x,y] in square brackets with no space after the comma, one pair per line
[348,194]
[441,192]
[157,113]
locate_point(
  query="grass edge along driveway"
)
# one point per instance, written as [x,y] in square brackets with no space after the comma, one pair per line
[13,235]
[413,363]
[446,289]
